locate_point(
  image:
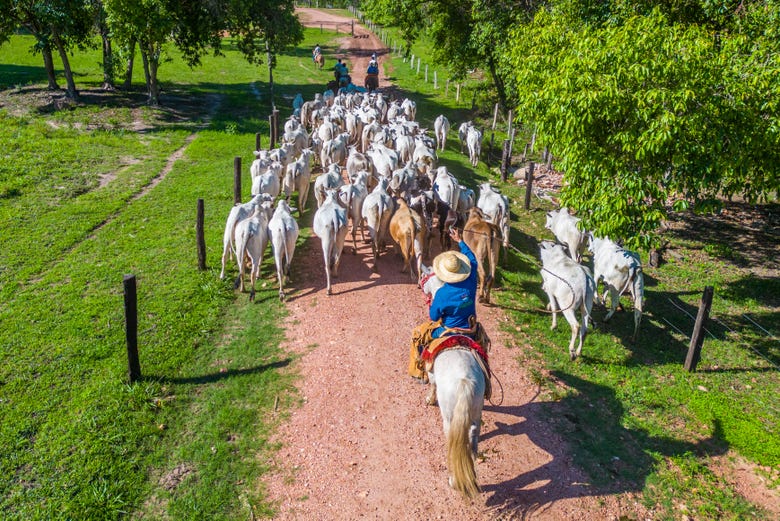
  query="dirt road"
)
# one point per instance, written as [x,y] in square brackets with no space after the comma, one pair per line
[364,445]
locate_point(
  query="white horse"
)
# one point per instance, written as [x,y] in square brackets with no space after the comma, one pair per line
[458,383]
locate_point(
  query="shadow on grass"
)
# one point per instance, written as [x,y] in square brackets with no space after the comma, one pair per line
[610,458]
[216,377]
[17,75]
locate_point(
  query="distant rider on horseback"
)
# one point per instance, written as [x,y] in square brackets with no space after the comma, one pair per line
[316,52]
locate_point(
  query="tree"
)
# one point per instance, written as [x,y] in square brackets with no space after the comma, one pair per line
[643,111]
[147,22]
[407,15]
[101,26]
[55,24]
[466,34]
[263,27]
[196,27]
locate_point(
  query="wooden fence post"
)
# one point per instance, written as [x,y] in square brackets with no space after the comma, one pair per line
[491,149]
[258,141]
[237,180]
[426,73]
[275,117]
[529,180]
[272,143]
[511,141]
[509,118]
[131,328]
[200,236]
[495,116]
[525,153]
[457,94]
[697,337]
[505,161]
[435,81]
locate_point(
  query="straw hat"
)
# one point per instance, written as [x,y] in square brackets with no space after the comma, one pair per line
[451,266]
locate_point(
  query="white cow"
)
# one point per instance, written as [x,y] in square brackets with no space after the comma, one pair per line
[495,206]
[569,286]
[377,210]
[446,188]
[424,157]
[237,213]
[409,108]
[334,152]
[564,227]
[356,161]
[621,271]
[384,160]
[299,139]
[466,200]
[405,146]
[330,179]
[463,131]
[474,143]
[283,234]
[330,225]
[260,164]
[251,242]
[269,181]
[352,196]
[298,178]
[441,126]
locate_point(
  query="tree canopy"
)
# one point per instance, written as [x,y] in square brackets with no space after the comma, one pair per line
[647,105]
[646,110]
[195,27]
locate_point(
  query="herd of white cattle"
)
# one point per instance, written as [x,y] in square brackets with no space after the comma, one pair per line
[379,173]
[572,286]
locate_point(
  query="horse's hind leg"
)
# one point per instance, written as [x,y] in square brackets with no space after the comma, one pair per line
[431,398]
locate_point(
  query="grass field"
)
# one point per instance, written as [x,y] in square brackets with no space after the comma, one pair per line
[88,193]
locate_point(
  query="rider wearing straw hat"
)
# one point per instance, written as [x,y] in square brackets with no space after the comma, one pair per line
[454,304]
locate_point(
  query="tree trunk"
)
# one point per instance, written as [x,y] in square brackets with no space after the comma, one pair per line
[151,63]
[71,90]
[270,73]
[498,82]
[48,63]
[129,70]
[108,60]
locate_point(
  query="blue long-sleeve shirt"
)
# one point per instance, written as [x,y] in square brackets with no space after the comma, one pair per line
[455,302]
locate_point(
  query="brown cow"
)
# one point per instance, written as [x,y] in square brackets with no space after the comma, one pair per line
[484,239]
[408,231]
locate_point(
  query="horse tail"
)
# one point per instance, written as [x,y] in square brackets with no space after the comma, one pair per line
[459,456]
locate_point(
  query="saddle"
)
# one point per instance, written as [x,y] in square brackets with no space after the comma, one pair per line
[458,341]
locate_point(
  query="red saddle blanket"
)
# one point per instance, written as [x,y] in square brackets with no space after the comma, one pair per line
[450,341]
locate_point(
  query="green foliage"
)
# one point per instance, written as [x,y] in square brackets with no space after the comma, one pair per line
[258,23]
[646,110]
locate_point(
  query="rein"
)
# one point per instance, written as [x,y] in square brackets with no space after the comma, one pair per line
[517,250]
